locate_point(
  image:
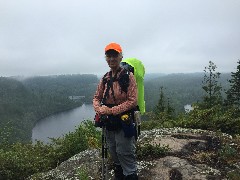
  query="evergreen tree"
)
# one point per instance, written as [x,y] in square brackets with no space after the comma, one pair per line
[233,94]
[161,102]
[170,110]
[211,86]
[163,109]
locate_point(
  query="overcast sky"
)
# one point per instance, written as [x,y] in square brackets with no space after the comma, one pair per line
[46,37]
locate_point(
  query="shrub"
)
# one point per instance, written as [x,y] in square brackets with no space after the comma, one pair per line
[75,142]
[19,160]
[234,175]
[148,150]
[23,160]
[83,174]
[227,153]
[150,124]
[214,119]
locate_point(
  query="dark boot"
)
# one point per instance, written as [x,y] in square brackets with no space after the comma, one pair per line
[118,173]
[132,177]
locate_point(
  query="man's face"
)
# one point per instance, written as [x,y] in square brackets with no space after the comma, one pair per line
[113,59]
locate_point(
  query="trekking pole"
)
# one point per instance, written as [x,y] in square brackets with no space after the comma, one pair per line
[104,154]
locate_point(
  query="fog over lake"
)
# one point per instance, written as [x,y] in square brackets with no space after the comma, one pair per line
[59,124]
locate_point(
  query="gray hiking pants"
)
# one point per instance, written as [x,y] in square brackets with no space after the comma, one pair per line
[122,151]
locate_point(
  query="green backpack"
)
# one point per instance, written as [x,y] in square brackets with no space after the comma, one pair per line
[137,68]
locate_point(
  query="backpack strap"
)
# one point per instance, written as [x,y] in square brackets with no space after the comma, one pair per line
[123,80]
[109,83]
[107,91]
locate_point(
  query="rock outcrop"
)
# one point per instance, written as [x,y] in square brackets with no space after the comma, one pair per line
[188,148]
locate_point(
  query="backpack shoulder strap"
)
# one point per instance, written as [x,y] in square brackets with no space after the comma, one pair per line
[123,80]
[109,83]
[105,81]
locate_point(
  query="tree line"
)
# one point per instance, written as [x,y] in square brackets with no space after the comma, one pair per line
[179,89]
[218,109]
[23,103]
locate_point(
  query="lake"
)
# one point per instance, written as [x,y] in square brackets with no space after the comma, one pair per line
[59,124]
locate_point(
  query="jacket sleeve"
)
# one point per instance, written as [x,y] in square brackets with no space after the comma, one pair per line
[98,96]
[131,100]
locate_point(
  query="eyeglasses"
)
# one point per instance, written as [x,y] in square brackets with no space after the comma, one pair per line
[112,55]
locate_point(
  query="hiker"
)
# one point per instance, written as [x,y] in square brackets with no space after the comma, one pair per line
[115,96]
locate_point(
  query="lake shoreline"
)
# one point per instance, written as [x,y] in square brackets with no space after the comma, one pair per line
[56,125]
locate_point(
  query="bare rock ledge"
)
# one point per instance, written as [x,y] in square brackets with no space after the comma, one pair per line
[178,164]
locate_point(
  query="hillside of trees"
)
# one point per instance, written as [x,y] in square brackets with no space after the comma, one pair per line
[24,102]
[180,89]
[64,85]
[216,108]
